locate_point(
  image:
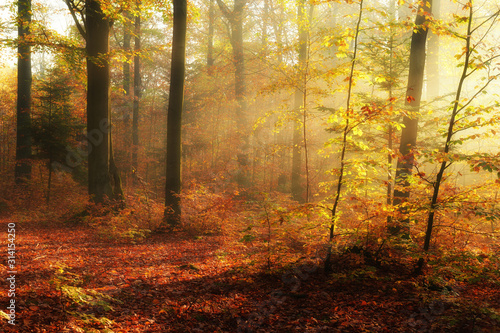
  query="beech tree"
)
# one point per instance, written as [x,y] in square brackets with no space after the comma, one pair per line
[172,213]
[299,105]
[235,19]
[98,122]
[410,121]
[462,111]
[137,85]
[348,127]
[102,170]
[23,143]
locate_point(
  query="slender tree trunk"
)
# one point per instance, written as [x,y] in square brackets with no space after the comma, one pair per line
[172,214]
[137,87]
[457,108]
[296,179]
[23,144]
[390,129]
[239,90]
[114,172]
[235,18]
[278,29]
[347,129]
[432,68]
[409,132]
[239,62]
[49,181]
[127,37]
[98,122]
[299,105]
[210,46]
[265,22]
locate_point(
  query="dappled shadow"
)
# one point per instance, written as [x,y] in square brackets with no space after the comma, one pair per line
[70,280]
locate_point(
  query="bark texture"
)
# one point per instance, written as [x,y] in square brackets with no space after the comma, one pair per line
[23,143]
[174,118]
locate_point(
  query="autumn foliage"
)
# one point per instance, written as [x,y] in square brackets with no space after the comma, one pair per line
[303,206]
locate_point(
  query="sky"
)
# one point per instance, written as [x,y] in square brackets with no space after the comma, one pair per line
[53,12]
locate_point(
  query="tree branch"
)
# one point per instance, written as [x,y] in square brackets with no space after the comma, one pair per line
[72,9]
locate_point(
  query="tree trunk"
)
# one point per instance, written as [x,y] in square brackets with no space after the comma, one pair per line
[297,187]
[137,88]
[239,62]
[172,213]
[127,37]
[210,46]
[23,145]
[409,132]
[235,18]
[115,173]
[345,132]
[98,122]
[127,105]
[265,22]
[298,139]
[458,107]
[432,68]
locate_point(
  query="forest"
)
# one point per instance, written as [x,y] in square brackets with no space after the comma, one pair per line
[250,166]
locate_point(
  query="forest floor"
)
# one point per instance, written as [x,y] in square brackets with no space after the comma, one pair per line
[69,279]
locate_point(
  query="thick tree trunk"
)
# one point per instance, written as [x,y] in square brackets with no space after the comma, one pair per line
[409,132]
[98,123]
[23,145]
[172,214]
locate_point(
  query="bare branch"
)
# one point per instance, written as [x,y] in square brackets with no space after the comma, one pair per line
[73,8]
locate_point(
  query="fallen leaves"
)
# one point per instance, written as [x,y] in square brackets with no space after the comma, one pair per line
[175,284]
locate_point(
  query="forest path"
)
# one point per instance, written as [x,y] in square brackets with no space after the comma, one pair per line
[72,279]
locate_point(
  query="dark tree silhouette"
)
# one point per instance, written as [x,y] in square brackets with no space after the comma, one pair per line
[23,145]
[413,97]
[174,118]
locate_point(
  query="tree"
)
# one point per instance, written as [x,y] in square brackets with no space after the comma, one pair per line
[299,106]
[127,37]
[101,167]
[461,111]
[172,213]
[23,145]
[432,68]
[137,85]
[347,129]
[54,126]
[98,122]
[235,18]
[210,42]
[410,121]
